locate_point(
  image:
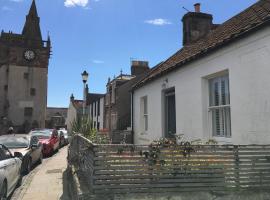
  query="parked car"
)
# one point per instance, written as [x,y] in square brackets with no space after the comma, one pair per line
[49,138]
[64,137]
[28,145]
[10,171]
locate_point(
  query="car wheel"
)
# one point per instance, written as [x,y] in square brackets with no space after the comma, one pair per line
[3,192]
[29,166]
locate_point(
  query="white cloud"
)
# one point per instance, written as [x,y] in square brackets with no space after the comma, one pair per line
[98,61]
[73,3]
[158,22]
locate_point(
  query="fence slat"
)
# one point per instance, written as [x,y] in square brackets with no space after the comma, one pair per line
[175,168]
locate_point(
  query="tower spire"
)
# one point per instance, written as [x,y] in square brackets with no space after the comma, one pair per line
[31,29]
[33,9]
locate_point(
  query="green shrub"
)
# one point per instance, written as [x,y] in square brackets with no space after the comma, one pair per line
[82,125]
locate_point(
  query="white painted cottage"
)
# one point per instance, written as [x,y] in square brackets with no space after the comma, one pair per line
[216,87]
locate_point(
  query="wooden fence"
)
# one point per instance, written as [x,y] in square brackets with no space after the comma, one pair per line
[170,168]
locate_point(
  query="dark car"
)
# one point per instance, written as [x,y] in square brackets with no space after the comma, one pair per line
[49,138]
[27,145]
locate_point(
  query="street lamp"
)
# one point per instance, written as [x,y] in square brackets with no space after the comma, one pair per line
[84,79]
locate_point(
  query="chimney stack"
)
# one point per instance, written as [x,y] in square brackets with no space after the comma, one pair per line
[197,7]
[139,67]
[196,25]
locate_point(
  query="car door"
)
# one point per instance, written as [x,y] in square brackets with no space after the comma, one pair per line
[9,164]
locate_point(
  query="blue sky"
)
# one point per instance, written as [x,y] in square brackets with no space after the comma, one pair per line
[102,36]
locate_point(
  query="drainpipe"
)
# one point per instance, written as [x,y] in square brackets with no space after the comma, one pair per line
[132,121]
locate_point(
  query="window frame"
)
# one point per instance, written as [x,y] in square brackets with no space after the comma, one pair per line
[5,150]
[220,105]
[33,91]
[28,115]
[144,114]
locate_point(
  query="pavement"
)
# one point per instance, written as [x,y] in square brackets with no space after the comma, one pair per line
[48,181]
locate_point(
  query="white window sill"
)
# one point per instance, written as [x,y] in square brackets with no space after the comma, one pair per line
[144,133]
[223,140]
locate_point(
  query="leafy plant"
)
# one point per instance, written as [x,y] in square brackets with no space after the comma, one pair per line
[82,125]
[211,142]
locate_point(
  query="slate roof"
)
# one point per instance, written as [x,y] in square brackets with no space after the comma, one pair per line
[251,19]
[92,97]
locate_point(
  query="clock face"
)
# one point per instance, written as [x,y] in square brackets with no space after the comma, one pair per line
[29,55]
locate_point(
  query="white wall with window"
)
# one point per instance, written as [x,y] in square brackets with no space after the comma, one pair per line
[97,113]
[224,95]
[219,106]
[144,115]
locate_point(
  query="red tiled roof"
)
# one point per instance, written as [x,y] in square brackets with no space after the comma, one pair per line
[247,21]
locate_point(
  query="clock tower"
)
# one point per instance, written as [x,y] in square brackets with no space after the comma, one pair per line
[24,60]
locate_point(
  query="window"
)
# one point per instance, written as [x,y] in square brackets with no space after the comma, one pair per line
[26,75]
[98,107]
[4,153]
[98,126]
[219,106]
[113,95]
[107,96]
[28,112]
[144,113]
[92,110]
[95,106]
[6,87]
[32,91]
[113,121]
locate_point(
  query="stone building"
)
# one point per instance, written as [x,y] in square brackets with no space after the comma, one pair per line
[117,111]
[94,108]
[24,60]
[56,117]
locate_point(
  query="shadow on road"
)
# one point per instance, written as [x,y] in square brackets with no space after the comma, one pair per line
[65,195]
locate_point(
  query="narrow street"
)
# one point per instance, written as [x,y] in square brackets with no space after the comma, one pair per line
[47,181]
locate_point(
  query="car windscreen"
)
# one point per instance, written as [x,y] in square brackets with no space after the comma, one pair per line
[42,134]
[15,142]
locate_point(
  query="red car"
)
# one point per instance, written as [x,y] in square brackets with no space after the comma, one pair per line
[49,139]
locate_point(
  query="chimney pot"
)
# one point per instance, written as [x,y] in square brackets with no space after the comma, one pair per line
[197,7]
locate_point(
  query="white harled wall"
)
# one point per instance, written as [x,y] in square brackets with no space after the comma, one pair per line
[248,63]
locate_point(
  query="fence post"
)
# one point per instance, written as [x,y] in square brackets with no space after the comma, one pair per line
[237,167]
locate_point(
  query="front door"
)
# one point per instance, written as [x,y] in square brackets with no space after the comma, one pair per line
[170,114]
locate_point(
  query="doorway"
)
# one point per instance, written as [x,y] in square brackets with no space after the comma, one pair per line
[170,113]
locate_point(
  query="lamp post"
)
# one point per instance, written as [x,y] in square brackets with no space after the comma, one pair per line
[84,79]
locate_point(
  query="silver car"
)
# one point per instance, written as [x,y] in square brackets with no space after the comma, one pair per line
[10,171]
